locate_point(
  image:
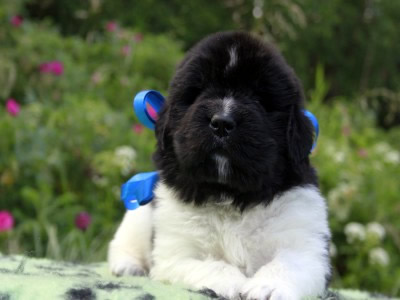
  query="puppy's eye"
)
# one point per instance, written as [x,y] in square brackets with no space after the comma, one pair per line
[190,96]
[267,107]
[189,101]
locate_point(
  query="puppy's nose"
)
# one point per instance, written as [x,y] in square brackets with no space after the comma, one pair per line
[222,125]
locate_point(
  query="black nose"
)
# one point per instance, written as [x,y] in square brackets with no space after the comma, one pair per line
[222,125]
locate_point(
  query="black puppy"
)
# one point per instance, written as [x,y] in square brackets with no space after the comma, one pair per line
[237,209]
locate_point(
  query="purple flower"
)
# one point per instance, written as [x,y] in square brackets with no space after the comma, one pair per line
[13,107]
[111,26]
[55,67]
[6,221]
[16,21]
[83,220]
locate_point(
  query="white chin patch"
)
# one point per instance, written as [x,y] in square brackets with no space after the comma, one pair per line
[222,168]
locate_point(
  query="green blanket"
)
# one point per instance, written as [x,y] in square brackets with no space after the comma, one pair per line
[31,278]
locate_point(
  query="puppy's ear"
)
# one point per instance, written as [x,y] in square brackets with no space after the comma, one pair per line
[300,134]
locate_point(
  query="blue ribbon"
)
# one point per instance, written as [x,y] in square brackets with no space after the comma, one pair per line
[139,189]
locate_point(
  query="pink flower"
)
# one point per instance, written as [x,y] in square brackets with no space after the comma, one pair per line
[97,77]
[45,68]
[13,107]
[111,26]
[362,153]
[83,220]
[16,21]
[6,221]
[126,50]
[55,67]
[137,128]
[138,37]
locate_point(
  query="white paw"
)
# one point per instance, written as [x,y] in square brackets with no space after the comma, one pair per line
[261,289]
[121,262]
[231,292]
[227,287]
[211,294]
[126,266]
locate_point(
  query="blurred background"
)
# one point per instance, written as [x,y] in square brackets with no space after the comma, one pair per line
[69,138]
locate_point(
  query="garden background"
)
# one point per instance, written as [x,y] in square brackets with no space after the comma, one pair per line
[69,138]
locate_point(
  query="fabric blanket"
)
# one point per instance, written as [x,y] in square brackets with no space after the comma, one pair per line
[31,278]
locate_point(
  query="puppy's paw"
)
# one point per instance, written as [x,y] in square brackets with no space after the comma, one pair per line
[263,289]
[228,288]
[126,267]
[121,263]
[210,294]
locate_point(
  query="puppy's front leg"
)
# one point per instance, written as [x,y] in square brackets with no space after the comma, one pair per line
[291,275]
[129,251]
[176,262]
[222,278]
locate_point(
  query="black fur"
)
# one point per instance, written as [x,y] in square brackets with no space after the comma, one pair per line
[4,296]
[267,151]
[146,297]
[81,294]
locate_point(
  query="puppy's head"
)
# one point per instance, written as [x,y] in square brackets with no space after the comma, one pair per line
[232,129]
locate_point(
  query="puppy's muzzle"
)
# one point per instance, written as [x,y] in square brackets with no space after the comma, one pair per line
[222,125]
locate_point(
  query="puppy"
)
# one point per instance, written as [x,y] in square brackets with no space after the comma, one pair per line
[237,209]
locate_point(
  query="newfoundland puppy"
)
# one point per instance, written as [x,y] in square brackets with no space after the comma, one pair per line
[237,209]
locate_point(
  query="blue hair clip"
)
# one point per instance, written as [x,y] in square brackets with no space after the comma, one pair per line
[139,190]
[314,121]
[147,105]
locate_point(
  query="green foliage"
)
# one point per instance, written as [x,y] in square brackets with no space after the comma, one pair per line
[356,41]
[358,166]
[73,144]
[98,66]
[64,153]
[185,20]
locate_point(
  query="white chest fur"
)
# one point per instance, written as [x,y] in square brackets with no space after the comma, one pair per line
[246,240]
[275,252]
